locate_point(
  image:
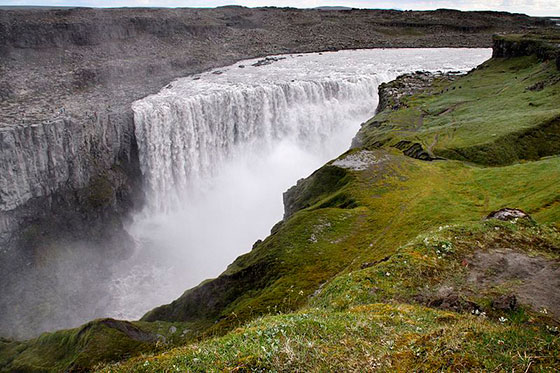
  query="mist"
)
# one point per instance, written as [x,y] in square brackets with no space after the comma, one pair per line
[234,209]
[217,150]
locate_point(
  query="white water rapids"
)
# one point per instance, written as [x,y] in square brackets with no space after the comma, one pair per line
[218,149]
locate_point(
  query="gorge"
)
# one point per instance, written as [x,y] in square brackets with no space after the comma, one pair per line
[139,158]
[207,170]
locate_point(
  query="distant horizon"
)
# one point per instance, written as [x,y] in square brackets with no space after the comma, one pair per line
[535,8]
[553,17]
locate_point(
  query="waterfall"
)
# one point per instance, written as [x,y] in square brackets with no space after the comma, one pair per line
[218,149]
[183,140]
[193,126]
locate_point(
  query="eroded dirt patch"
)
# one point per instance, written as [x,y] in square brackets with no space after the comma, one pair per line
[535,280]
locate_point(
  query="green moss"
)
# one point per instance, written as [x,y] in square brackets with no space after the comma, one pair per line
[489,116]
[438,258]
[82,348]
[323,183]
[378,337]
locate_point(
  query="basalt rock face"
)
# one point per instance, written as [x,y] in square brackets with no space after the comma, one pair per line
[60,159]
[67,189]
[392,93]
[42,158]
[546,46]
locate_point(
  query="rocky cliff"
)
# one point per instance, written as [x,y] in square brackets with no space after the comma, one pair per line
[546,46]
[67,184]
[58,156]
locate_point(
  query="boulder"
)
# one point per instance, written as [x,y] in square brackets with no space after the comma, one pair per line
[507,214]
[505,303]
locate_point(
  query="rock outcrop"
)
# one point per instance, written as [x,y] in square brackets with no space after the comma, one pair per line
[393,94]
[546,46]
[507,214]
[59,157]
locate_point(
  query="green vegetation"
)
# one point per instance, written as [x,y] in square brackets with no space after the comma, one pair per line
[371,319]
[374,337]
[82,348]
[505,111]
[384,261]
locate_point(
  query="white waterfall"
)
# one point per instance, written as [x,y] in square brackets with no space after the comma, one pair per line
[218,149]
[184,140]
[190,129]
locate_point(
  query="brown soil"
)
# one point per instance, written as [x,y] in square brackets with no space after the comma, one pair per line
[535,280]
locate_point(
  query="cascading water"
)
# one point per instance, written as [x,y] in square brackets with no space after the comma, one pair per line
[185,139]
[218,149]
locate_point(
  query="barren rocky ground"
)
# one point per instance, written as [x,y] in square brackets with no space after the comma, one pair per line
[78,62]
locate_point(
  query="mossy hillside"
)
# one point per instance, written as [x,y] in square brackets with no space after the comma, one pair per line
[376,337]
[504,111]
[397,199]
[370,319]
[326,181]
[443,258]
[82,348]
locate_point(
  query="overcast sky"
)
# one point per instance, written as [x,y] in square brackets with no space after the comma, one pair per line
[531,7]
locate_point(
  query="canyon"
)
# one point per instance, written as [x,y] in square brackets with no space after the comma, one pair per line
[71,172]
[112,126]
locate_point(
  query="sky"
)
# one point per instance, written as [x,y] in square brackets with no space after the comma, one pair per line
[531,7]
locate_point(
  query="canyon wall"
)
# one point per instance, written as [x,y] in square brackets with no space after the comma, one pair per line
[58,159]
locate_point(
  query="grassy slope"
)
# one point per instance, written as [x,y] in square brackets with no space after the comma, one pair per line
[496,115]
[82,348]
[374,216]
[369,319]
[393,204]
